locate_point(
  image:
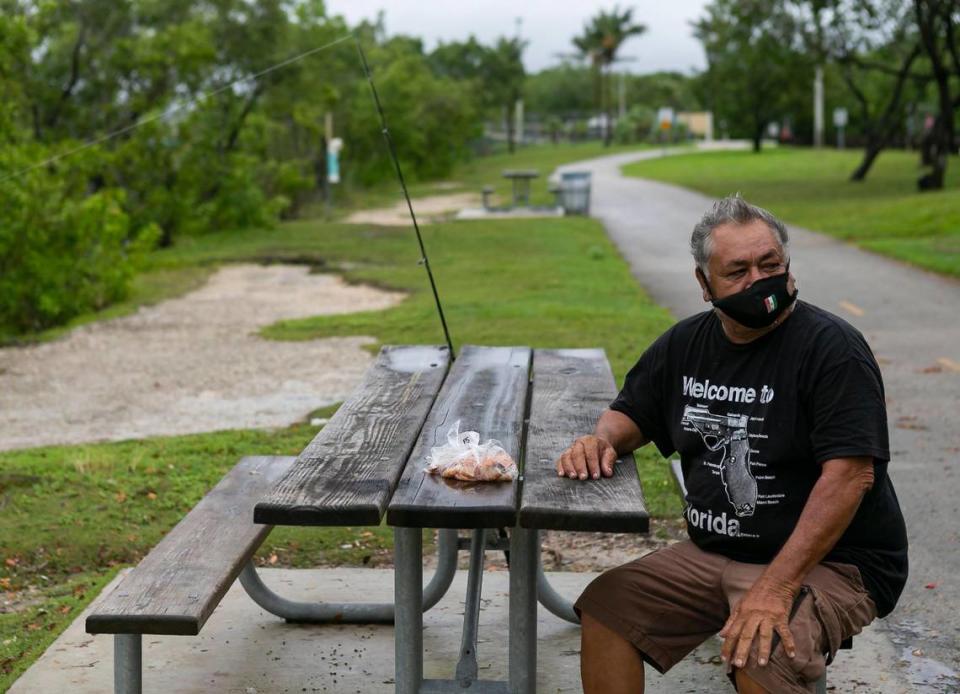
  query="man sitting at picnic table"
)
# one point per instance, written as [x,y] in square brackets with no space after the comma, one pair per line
[796,539]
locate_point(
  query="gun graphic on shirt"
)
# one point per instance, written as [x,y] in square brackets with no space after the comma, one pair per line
[728,432]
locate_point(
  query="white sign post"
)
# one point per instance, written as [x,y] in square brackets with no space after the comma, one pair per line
[840,122]
[333,159]
[665,117]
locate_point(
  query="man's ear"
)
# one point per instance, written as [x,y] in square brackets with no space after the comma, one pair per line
[704,285]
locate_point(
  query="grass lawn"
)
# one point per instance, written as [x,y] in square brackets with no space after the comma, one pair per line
[73,515]
[809,188]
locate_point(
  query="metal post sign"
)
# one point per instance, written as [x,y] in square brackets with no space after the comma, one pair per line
[333,159]
[665,118]
[840,122]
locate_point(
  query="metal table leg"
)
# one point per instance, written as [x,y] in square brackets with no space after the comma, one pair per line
[467,665]
[525,553]
[127,663]
[549,597]
[352,613]
[409,647]
[408,593]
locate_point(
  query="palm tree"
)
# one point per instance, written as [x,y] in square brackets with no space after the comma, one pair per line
[601,39]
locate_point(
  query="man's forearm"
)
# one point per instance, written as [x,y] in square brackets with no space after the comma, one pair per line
[831,506]
[621,431]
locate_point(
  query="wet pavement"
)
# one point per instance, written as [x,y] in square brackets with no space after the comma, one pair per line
[244,650]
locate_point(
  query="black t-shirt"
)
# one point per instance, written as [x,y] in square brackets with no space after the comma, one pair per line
[753,423]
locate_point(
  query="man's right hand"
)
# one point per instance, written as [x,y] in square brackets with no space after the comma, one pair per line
[587,457]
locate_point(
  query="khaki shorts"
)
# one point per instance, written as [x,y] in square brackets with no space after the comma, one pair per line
[670,601]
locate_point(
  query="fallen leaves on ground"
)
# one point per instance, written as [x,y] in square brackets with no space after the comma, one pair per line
[910,422]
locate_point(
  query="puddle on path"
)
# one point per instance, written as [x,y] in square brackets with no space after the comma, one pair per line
[922,671]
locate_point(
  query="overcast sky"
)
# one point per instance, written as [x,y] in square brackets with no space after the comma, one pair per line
[548,26]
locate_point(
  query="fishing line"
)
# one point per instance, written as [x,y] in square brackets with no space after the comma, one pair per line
[175,109]
[406,194]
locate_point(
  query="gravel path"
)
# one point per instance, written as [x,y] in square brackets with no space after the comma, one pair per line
[188,365]
[432,208]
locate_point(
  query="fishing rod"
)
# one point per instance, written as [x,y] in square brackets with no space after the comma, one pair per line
[396,163]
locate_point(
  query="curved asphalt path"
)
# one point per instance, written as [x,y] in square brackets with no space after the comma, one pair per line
[911,319]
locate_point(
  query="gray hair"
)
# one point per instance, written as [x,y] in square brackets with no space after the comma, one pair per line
[732,209]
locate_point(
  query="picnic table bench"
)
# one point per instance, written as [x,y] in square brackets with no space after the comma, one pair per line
[368,462]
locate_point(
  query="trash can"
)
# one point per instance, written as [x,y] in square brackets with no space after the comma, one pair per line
[576,192]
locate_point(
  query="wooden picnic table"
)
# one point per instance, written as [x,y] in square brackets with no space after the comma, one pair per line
[369,461]
[520,179]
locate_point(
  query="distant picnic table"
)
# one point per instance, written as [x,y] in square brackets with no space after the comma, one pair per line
[521,184]
[368,462]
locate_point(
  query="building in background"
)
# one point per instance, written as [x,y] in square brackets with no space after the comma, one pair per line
[698,123]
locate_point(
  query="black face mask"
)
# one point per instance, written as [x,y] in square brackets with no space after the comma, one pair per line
[760,304]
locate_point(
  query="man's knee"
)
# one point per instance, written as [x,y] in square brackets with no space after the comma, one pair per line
[594,632]
[747,685]
[781,674]
[609,663]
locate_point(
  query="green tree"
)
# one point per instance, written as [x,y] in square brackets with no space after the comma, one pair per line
[664,89]
[460,60]
[183,117]
[564,91]
[504,77]
[495,73]
[755,63]
[938,23]
[602,37]
[874,49]
[636,126]
[431,118]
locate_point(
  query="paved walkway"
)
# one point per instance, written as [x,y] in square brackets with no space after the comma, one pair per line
[910,319]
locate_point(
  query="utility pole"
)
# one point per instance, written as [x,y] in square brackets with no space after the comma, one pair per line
[518,124]
[818,107]
[622,86]
[622,112]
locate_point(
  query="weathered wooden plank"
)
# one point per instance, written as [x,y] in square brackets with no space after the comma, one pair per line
[486,390]
[348,472]
[179,583]
[570,389]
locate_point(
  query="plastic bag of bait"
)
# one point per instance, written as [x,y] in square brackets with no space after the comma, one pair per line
[463,457]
